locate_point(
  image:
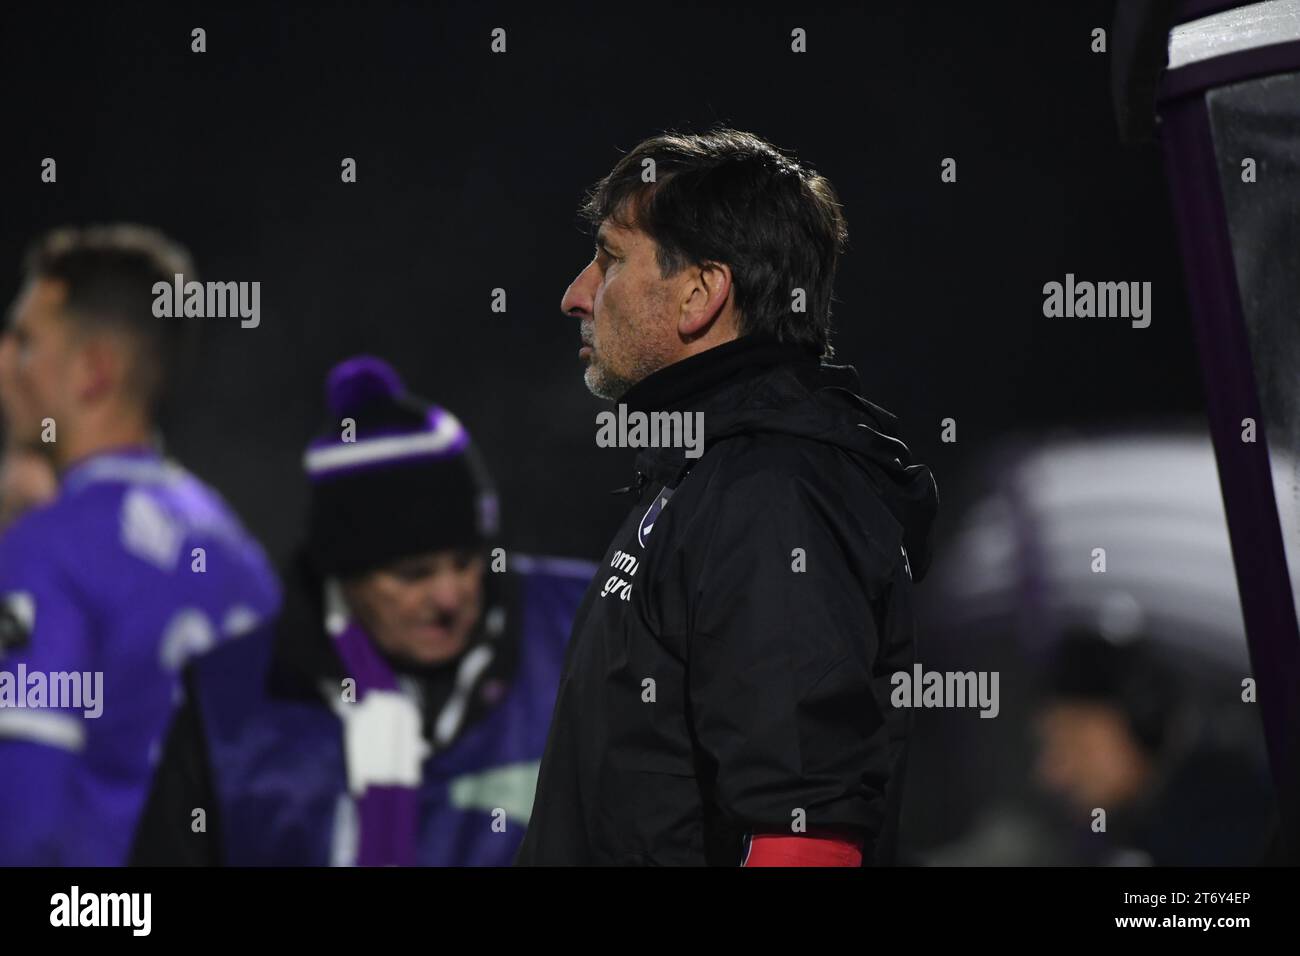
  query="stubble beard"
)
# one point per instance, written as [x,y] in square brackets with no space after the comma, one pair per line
[604,382]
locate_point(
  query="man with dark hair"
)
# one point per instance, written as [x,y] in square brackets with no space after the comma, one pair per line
[134,567]
[100,280]
[726,691]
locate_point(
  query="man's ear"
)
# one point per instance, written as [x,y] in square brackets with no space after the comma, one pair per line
[707,292]
[98,368]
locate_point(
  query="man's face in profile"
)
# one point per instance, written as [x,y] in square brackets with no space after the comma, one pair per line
[37,353]
[626,308]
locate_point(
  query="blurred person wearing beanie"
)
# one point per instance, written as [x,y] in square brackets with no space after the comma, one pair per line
[396,713]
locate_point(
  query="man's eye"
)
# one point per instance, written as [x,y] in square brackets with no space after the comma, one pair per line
[412,572]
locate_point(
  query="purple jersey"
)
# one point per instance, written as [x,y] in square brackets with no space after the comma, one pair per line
[104,594]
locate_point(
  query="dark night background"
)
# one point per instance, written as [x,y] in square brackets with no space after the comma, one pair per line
[470,169]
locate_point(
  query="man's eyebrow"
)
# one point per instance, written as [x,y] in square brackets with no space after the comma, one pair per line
[603,241]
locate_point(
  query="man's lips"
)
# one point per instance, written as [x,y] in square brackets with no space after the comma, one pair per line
[435,630]
[585,351]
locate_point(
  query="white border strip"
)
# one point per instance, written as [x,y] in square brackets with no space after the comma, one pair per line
[130,471]
[370,450]
[1245,28]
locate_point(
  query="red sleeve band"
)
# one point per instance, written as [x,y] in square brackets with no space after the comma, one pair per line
[824,848]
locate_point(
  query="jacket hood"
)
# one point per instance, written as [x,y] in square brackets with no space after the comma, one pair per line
[821,403]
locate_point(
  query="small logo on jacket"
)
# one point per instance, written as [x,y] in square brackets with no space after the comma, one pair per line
[652,515]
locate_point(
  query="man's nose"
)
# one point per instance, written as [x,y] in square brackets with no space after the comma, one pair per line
[580,297]
[444,593]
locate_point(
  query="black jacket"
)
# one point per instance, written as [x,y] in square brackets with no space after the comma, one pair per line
[729,670]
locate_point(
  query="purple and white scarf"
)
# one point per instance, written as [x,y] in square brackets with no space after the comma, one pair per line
[384,749]
[383,740]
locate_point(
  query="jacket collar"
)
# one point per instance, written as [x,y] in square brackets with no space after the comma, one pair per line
[717,380]
[692,381]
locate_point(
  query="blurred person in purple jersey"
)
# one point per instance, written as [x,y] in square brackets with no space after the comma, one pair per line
[134,566]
